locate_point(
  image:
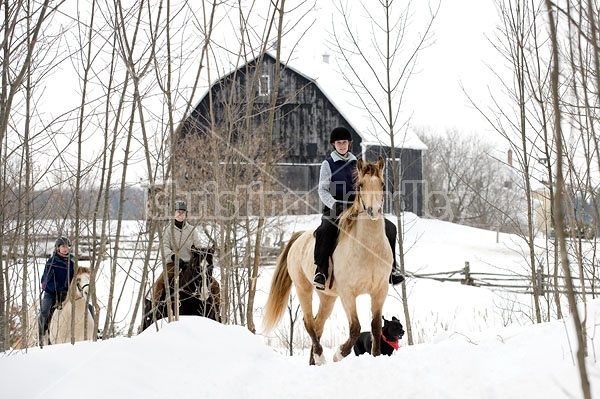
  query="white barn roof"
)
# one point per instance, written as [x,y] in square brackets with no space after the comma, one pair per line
[341,94]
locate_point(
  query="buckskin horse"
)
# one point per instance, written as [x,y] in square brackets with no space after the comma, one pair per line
[199,291]
[361,264]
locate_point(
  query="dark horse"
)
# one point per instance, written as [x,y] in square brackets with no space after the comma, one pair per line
[199,291]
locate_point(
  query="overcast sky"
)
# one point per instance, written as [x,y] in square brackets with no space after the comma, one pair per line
[459,54]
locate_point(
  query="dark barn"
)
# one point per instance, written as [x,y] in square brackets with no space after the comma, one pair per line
[304,117]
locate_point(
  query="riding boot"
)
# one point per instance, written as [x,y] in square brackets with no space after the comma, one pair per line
[395,276]
[325,239]
[320,278]
[391,232]
[91,309]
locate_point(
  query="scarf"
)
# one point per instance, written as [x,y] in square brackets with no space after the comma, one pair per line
[393,344]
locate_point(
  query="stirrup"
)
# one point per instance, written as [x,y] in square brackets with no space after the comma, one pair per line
[319,281]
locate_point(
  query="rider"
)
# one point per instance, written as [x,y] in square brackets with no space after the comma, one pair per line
[178,239]
[336,191]
[58,273]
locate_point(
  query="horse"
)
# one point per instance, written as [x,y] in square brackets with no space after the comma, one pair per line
[199,291]
[59,329]
[201,295]
[361,264]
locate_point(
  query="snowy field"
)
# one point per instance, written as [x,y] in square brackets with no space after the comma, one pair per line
[471,342]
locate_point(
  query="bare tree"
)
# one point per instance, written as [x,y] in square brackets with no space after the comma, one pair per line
[466,184]
[558,201]
[26,40]
[378,70]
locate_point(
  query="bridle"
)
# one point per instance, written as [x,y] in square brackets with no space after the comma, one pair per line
[362,202]
[80,288]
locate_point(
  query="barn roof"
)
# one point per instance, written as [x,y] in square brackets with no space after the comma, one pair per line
[350,105]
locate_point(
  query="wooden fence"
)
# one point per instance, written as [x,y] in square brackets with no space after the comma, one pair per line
[517,283]
[509,282]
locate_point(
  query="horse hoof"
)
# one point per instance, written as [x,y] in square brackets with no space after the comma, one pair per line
[320,360]
[338,355]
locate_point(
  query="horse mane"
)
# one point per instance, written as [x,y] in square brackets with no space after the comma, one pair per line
[363,170]
[83,270]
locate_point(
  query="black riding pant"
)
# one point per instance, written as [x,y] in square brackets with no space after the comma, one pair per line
[49,303]
[326,238]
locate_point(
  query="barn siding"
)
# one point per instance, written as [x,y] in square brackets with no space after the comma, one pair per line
[411,172]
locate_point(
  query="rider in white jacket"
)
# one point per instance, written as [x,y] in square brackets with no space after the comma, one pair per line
[178,238]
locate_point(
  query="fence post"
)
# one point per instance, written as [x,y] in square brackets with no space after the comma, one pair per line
[467,272]
[539,281]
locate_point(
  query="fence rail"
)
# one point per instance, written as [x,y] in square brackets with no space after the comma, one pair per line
[517,283]
[129,249]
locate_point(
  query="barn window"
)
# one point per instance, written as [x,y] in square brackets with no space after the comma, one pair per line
[264,86]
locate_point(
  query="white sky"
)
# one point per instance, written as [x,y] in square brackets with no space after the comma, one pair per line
[463,55]
[472,342]
[459,54]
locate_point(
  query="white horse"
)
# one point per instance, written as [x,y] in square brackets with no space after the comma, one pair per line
[59,331]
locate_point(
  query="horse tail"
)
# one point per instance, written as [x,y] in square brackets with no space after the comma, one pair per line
[281,286]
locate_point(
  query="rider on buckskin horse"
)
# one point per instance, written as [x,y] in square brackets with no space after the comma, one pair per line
[178,239]
[336,191]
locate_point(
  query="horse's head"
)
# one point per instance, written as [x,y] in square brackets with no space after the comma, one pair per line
[370,189]
[200,265]
[202,258]
[198,275]
[81,282]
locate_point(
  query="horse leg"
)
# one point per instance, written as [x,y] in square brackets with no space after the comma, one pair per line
[315,325]
[344,350]
[305,298]
[316,350]
[376,327]
[147,316]
[215,291]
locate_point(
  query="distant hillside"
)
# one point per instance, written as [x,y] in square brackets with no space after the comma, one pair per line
[59,203]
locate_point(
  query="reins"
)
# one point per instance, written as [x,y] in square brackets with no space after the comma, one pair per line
[199,279]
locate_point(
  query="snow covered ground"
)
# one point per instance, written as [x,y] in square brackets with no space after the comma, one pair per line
[471,343]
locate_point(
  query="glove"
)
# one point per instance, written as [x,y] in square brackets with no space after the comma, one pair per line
[182,264]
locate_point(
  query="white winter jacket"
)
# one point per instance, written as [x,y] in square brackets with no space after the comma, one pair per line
[180,241]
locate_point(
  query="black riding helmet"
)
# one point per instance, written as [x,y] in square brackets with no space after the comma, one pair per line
[62,241]
[339,133]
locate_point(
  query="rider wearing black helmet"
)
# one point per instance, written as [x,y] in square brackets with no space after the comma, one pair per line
[336,191]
